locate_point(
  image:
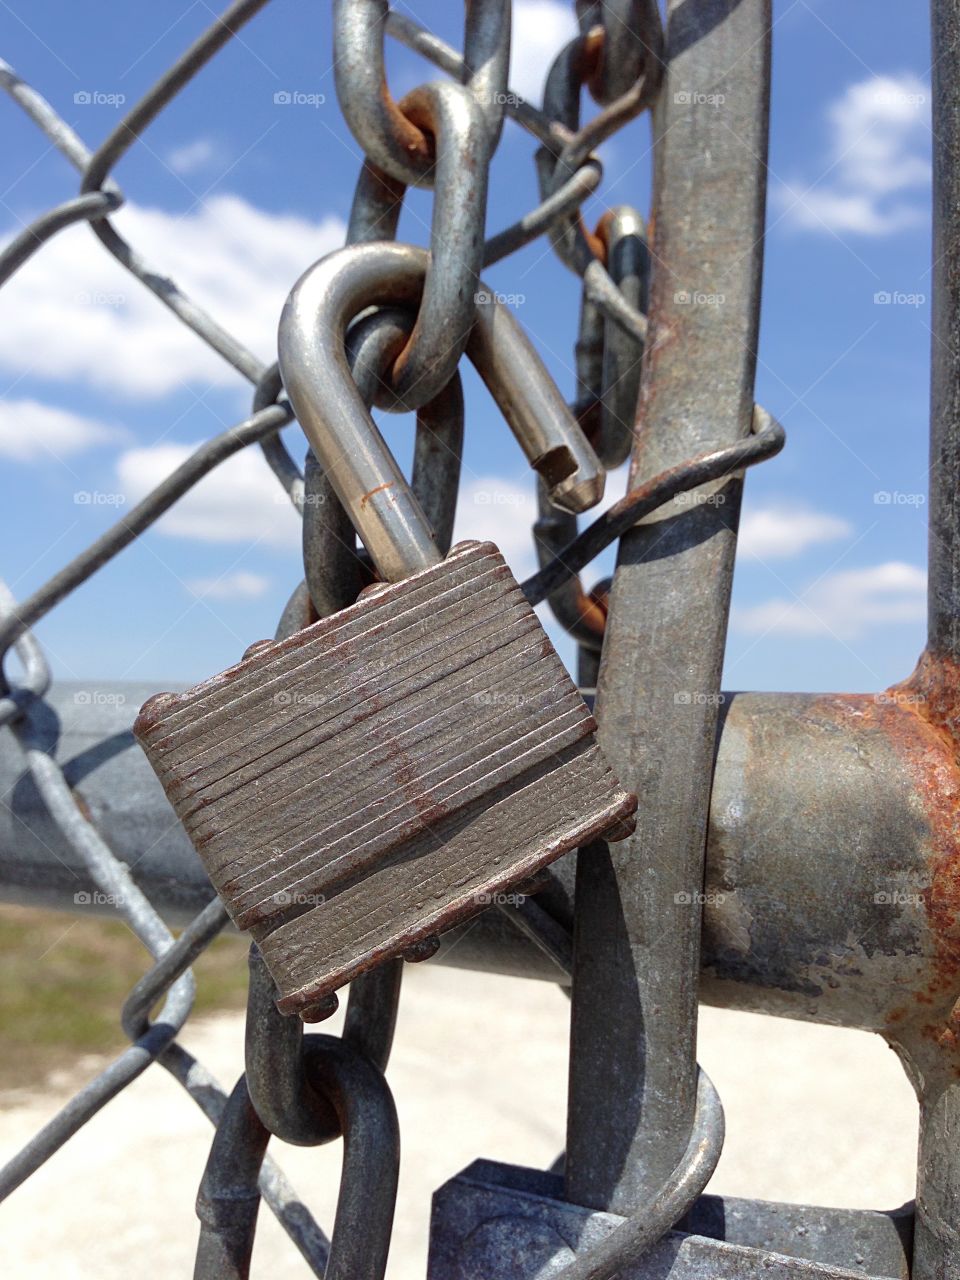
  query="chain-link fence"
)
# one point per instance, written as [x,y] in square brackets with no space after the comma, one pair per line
[645,1127]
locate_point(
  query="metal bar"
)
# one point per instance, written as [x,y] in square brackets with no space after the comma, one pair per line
[512,1223]
[229,1197]
[766,439]
[228,1201]
[34,236]
[276,1076]
[283,1200]
[944,533]
[933,1066]
[636,948]
[777,927]
[628,265]
[371,1158]
[628,1243]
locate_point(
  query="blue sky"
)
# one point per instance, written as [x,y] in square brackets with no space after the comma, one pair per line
[234,193]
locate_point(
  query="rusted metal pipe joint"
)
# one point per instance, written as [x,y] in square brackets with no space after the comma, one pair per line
[852,918]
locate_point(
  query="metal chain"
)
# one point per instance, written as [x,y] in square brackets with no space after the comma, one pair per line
[304,1088]
[442,136]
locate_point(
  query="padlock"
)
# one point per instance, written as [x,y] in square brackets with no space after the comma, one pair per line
[387,772]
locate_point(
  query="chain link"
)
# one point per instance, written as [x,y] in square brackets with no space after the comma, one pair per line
[442,136]
[632,42]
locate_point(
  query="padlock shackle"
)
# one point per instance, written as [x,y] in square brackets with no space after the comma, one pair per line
[347,442]
[330,409]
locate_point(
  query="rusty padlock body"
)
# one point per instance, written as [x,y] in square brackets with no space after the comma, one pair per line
[388,771]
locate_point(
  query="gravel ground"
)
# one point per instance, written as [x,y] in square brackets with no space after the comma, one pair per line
[479,1068]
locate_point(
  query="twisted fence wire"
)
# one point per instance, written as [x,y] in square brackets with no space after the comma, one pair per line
[573,173]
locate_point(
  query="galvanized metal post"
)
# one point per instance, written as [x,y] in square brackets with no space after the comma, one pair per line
[637,938]
[934,1067]
[944,562]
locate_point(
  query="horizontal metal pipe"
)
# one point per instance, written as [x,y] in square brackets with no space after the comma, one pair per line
[829,891]
[831,884]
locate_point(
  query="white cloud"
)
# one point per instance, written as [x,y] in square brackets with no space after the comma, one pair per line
[540,30]
[501,510]
[73,313]
[846,604]
[877,164]
[192,156]
[240,501]
[30,431]
[230,586]
[775,532]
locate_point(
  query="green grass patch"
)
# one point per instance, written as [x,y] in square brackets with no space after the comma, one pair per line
[63,979]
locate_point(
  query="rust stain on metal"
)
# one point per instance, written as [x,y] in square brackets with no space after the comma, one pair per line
[915,719]
[415,109]
[923,716]
[407,134]
[80,802]
[593,608]
[411,786]
[935,689]
[379,489]
[152,712]
[600,238]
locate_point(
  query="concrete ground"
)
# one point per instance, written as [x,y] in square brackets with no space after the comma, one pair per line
[814,1114]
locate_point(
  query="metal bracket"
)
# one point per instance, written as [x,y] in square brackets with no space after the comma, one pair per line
[496,1220]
